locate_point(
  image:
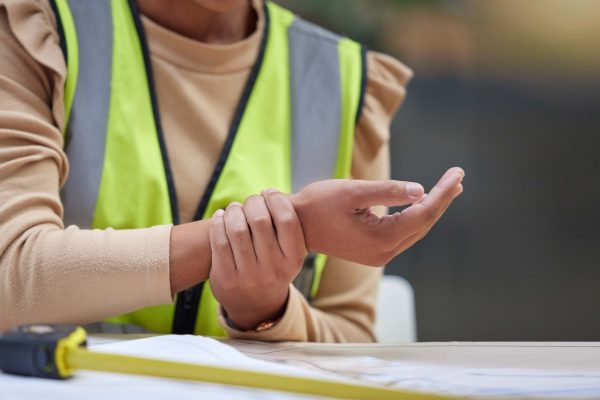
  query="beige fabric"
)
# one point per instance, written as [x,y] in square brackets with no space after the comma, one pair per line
[49,273]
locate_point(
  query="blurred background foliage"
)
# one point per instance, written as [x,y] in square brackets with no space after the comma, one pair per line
[510,91]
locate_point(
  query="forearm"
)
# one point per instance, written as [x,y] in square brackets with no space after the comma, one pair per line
[48,274]
[78,276]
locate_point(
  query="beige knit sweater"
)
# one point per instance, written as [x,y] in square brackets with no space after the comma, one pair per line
[52,273]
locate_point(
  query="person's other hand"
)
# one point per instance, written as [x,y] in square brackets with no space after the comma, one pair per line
[257,250]
[337,221]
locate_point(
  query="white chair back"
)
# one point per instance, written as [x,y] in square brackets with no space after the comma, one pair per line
[396,320]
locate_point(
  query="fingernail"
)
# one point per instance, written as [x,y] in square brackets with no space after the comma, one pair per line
[459,179]
[414,190]
[235,203]
[218,213]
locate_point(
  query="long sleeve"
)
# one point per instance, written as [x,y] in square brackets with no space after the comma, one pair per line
[49,273]
[344,307]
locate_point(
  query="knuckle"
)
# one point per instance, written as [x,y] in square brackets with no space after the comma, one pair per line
[275,198]
[288,220]
[221,244]
[236,233]
[260,221]
[216,223]
[233,204]
[251,198]
[269,193]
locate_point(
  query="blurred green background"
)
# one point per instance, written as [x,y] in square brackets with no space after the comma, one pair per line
[510,91]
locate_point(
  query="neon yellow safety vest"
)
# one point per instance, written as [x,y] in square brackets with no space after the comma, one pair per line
[294,125]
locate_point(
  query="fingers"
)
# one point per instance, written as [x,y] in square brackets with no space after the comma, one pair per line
[222,255]
[238,232]
[425,212]
[384,193]
[428,210]
[442,194]
[449,180]
[289,231]
[264,238]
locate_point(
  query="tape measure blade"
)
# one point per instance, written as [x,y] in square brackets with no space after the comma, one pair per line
[80,358]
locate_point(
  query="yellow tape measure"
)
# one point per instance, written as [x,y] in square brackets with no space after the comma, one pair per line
[57,351]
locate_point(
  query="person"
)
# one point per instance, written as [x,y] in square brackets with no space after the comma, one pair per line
[149,147]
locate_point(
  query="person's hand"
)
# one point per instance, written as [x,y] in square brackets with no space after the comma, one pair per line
[257,250]
[336,219]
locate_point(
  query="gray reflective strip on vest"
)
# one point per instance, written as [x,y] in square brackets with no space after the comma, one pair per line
[86,130]
[315,115]
[315,102]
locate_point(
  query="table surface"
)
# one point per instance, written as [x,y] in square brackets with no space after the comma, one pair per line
[580,356]
[570,368]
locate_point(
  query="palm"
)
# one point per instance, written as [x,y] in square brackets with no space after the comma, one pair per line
[337,220]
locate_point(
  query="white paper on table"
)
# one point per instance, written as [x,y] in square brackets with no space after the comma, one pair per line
[202,350]
[182,348]
[459,381]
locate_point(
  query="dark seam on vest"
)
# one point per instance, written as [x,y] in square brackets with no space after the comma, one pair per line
[158,126]
[363,81]
[186,310]
[60,29]
[184,299]
[237,118]
[188,304]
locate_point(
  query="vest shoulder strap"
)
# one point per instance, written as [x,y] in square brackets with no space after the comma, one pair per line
[327,84]
[111,111]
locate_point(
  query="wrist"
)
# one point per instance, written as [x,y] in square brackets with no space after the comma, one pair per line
[189,255]
[260,327]
[299,206]
[244,319]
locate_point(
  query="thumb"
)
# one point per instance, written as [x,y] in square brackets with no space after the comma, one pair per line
[384,193]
